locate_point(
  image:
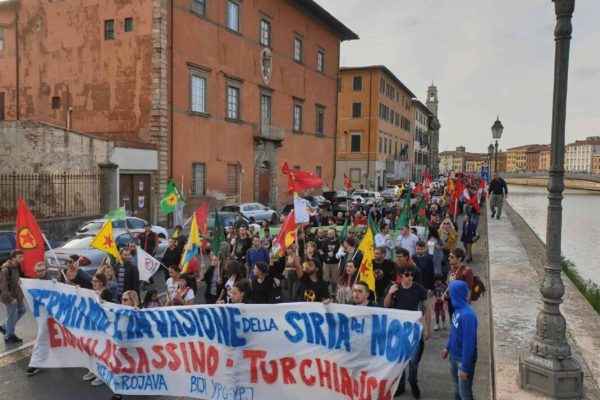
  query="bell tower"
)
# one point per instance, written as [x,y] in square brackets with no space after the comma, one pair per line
[432,99]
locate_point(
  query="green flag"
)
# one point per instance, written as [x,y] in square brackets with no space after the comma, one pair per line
[218,237]
[344,232]
[404,150]
[405,215]
[172,197]
[373,225]
[118,214]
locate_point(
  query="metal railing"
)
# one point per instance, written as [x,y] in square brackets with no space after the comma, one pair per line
[51,196]
[269,132]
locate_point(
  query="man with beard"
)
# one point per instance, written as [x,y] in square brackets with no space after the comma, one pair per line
[128,276]
[383,270]
[242,245]
[424,263]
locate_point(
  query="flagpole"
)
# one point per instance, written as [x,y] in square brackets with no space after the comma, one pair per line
[55,257]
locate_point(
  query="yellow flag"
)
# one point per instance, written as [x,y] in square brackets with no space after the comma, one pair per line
[365,272]
[105,241]
[192,246]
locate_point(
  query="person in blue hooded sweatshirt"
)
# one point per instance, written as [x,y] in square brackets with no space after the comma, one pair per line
[462,343]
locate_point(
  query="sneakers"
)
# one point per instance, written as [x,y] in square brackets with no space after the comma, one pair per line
[13,339]
[416,392]
[97,382]
[469,260]
[493,214]
[401,389]
[32,371]
[436,327]
[89,376]
[2,330]
[498,217]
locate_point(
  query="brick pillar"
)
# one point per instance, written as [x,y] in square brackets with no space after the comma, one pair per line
[159,116]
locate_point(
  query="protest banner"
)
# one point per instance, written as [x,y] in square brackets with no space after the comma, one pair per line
[225,352]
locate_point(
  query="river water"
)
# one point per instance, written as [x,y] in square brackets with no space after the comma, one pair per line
[581,223]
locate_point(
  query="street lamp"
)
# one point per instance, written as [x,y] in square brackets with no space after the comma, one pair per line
[548,367]
[497,129]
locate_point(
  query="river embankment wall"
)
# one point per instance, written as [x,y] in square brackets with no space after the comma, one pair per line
[543,181]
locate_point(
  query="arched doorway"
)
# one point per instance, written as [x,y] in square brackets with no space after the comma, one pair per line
[264,183]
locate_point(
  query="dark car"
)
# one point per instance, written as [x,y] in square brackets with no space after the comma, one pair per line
[8,243]
[320,202]
[228,218]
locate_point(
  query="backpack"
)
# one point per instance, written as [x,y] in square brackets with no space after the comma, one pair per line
[478,288]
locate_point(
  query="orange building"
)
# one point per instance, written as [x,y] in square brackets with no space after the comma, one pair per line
[596,164]
[533,157]
[516,160]
[544,158]
[375,124]
[223,90]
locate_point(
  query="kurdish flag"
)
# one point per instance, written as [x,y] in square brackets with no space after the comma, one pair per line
[365,272]
[105,240]
[30,239]
[117,214]
[172,197]
[192,246]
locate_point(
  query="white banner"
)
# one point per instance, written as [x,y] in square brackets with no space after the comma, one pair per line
[225,352]
[301,210]
[147,265]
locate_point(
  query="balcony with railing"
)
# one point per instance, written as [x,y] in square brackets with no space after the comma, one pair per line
[269,132]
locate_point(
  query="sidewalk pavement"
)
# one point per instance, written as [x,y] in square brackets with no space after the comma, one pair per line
[517,258]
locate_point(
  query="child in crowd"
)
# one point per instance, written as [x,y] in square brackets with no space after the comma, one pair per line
[438,304]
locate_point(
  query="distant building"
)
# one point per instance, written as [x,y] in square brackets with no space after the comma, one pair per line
[422,142]
[376,121]
[578,155]
[460,160]
[596,164]
[544,164]
[516,158]
[533,157]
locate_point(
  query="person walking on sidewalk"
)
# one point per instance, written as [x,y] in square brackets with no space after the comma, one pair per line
[12,296]
[462,343]
[498,192]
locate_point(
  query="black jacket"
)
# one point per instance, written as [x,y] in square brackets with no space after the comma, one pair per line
[149,242]
[171,257]
[498,186]
[132,278]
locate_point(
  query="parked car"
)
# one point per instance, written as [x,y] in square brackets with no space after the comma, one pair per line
[335,197]
[254,212]
[320,202]
[134,224]
[228,218]
[369,197]
[90,258]
[342,204]
[8,243]
[389,194]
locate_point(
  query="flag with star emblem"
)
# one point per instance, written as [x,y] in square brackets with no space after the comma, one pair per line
[365,272]
[105,240]
[169,203]
[29,239]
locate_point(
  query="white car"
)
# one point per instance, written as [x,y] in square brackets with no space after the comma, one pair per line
[254,212]
[134,224]
[369,197]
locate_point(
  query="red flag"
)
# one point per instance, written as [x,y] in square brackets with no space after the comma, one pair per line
[299,181]
[29,239]
[418,189]
[426,178]
[347,183]
[474,201]
[201,217]
[286,235]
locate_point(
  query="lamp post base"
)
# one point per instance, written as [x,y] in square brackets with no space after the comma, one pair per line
[552,377]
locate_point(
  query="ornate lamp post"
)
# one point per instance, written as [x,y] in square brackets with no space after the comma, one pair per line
[497,129]
[548,367]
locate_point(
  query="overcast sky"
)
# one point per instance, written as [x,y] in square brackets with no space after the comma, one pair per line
[487,58]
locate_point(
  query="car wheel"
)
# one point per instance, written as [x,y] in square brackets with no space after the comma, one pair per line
[274,219]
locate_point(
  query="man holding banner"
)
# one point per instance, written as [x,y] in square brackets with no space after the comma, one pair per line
[409,295]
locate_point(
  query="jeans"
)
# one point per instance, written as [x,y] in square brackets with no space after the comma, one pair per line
[463,390]
[413,366]
[14,312]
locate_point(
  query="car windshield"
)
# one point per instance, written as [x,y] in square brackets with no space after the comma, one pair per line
[79,243]
[118,223]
